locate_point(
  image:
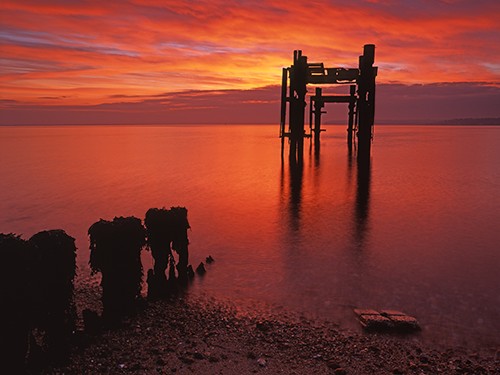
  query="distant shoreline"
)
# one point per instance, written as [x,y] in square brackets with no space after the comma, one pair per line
[454,122]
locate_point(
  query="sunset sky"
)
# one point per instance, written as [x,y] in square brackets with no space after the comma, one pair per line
[161,61]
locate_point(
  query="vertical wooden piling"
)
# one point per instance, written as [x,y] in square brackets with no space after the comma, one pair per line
[311,111]
[352,106]
[298,82]
[318,108]
[366,100]
[284,84]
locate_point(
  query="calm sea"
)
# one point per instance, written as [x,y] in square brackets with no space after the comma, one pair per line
[419,232]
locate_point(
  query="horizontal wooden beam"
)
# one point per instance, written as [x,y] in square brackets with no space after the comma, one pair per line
[334,98]
[331,75]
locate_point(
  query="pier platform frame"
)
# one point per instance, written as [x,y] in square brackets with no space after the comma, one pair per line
[361,101]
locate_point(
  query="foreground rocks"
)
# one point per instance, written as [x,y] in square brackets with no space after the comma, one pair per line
[187,336]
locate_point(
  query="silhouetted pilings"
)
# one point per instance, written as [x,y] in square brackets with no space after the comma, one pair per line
[158,224]
[167,231]
[180,240]
[37,282]
[115,252]
[361,100]
[37,293]
[17,300]
[55,272]
[366,100]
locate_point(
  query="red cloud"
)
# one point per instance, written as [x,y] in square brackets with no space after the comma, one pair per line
[84,52]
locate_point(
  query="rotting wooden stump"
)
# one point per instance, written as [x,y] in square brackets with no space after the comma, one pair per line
[386,321]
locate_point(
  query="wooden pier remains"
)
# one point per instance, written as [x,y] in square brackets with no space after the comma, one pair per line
[360,100]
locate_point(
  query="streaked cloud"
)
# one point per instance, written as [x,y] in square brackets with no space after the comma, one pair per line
[396,103]
[89,53]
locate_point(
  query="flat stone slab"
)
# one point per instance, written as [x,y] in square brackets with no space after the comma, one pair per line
[392,313]
[375,322]
[366,312]
[386,321]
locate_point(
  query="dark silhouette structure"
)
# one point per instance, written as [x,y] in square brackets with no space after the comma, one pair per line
[180,240]
[17,300]
[361,100]
[53,288]
[37,282]
[158,222]
[115,252]
[36,285]
[167,230]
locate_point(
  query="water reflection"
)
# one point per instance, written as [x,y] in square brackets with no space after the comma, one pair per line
[293,190]
[331,235]
[362,204]
[316,149]
[295,173]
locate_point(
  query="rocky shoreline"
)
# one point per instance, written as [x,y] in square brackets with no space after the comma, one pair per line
[187,335]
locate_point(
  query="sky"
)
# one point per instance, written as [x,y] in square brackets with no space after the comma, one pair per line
[161,61]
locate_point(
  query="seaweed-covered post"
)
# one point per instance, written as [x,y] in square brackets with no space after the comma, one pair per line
[115,252]
[158,223]
[180,241]
[15,291]
[54,308]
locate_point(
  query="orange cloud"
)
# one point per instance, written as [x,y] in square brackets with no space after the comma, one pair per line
[86,52]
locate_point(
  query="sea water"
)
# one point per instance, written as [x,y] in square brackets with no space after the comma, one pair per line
[418,231]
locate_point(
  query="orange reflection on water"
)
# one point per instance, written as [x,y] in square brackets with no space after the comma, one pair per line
[415,231]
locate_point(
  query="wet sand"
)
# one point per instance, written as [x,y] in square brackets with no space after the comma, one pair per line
[193,336]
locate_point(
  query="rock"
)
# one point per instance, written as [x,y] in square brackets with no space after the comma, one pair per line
[209,259]
[135,367]
[190,272]
[200,270]
[333,365]
[160,362]
[186,360]
[401,321]
[390,312]
[251,355]
[198,355]
[386,320]
[365,312]
[263,326]
[262,362]
[424,359]
[375,322]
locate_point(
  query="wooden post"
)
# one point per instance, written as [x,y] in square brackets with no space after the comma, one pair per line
[366,100]
[311,111]
[318,107]
[297,95]
[284,84]
[352,105]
